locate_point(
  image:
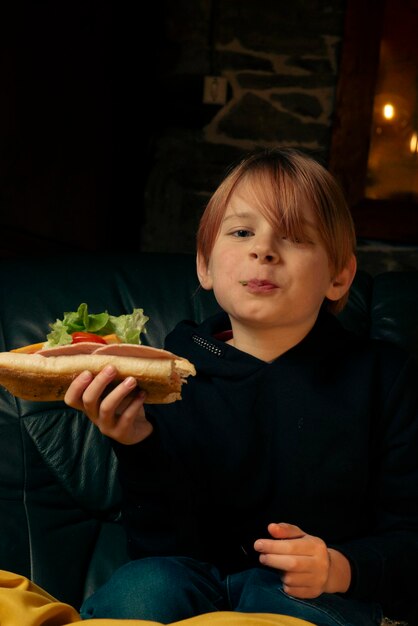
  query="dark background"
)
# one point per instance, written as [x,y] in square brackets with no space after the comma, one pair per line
[105,143]
[78,108]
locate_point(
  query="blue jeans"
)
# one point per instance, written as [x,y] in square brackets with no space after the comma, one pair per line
[169,589]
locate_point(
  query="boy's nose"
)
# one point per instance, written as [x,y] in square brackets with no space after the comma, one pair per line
[264,253]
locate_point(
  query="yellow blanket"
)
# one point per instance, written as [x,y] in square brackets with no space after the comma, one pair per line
[22,603]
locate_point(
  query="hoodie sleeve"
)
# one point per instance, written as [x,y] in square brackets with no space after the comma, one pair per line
[156,497]
[384,565]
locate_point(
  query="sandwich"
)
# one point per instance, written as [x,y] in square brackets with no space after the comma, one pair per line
[83,341]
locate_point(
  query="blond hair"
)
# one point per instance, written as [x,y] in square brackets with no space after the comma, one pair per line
[281,181]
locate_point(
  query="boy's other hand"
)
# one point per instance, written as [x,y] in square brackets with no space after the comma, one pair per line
[308,566]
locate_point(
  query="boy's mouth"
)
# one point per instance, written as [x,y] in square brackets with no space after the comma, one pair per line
[257,285]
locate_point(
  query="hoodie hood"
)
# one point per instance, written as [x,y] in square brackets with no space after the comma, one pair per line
[209,355]
[213,356]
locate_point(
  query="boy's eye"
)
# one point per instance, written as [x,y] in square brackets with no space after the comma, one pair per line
[292,239]
[296,240]
[242,232]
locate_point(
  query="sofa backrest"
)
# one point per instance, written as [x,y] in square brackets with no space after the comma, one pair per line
[59,496]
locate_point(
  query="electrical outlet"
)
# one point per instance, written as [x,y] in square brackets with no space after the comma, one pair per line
[214,90]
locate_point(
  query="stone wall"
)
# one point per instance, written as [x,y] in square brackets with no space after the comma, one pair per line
[280,60]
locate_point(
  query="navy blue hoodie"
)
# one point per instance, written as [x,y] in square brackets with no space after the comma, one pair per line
[324,437]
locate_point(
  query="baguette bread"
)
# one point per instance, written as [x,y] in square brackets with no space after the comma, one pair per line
[46,378]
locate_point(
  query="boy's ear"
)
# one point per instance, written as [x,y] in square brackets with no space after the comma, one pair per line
[203,272]
[341,283]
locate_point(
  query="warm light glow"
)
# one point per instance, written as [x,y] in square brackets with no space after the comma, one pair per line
[413,144]
[388,111]
[392,165]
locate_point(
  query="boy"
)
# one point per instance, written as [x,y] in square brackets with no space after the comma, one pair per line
[286,480]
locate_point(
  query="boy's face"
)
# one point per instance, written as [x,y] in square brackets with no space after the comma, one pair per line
[263,279]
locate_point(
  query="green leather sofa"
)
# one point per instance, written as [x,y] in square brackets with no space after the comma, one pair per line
[59,497]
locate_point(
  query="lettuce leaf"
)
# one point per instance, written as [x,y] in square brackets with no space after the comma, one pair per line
[128,328]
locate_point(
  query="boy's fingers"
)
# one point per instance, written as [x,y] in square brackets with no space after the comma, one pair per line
[76,389]
[285,531]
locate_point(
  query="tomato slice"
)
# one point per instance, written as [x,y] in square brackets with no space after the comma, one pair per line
[80,336]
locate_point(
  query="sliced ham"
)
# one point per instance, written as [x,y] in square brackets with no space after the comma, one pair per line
[114,349]
[83,347]
[130,349]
